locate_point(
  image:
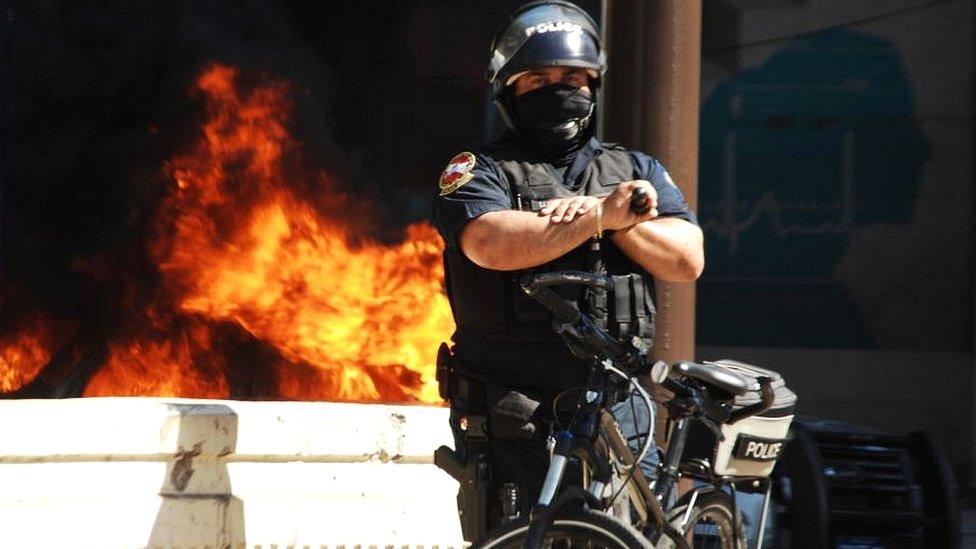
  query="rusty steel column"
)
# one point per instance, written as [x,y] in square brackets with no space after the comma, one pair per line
[651,100]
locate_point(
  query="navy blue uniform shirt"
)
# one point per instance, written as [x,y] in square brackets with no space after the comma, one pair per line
[483,189]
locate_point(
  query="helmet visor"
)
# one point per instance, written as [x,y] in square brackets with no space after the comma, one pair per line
[544,19]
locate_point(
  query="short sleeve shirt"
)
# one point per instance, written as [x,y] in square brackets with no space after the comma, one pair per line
[486,190]
[473,185]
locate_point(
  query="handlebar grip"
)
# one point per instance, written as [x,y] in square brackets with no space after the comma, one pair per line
[536,287]
[639,201]
[530,282]
[561,309]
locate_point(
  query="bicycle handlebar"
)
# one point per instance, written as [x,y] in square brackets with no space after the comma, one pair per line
[531,282]
[560,308]
[574,323]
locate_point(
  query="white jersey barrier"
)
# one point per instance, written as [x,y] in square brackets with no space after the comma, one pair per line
[176,473]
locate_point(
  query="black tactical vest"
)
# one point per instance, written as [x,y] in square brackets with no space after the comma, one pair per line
[490,304]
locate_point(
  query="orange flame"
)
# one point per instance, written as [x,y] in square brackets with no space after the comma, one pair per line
[152,367]
[28,348]
[357,322]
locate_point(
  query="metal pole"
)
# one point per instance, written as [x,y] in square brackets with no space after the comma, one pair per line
[672,76]
[651,99]
[651,103]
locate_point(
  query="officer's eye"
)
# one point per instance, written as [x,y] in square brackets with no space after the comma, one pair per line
[575,78]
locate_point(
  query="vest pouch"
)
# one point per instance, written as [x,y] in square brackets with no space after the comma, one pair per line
[510,415]
[633,307]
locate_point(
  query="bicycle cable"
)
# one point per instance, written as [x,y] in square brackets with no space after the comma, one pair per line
[650,431]
[561,394]
[555,402]
[633,413]
[647,400]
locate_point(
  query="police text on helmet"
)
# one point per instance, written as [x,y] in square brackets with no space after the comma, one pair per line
[554,26]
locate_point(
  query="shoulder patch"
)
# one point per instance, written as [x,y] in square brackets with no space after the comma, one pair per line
[457,173]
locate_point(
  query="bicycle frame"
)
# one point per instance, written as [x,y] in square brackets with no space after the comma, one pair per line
[583,440]
[602,453]
[605,445]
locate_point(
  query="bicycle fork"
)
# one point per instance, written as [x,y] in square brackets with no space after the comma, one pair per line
[557,467]
[566,446]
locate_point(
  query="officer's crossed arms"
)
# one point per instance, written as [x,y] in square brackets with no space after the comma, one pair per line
[565,210]
[668,248]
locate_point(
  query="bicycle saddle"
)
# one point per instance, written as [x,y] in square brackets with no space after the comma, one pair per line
[722,378]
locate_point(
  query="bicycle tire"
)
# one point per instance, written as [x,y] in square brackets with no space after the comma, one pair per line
[572,528]
[711,522]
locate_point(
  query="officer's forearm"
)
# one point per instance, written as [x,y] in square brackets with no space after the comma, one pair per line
[666,247]
[511,240]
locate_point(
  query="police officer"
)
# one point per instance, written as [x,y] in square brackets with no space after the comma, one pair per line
[536,200]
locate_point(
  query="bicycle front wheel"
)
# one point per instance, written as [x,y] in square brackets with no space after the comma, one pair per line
[572,528]
[710,524]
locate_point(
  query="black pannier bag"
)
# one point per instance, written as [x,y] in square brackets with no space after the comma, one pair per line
[751,446]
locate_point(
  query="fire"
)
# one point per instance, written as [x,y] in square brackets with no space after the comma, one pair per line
[22,355]
[26,349]
[161,367]
[239,242]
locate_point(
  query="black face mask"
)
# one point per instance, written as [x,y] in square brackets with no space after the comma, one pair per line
[555,118]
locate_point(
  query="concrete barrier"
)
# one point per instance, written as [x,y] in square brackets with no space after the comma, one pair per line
[176,473]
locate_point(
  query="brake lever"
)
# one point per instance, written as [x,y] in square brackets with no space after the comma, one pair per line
[572,338]
[692,404]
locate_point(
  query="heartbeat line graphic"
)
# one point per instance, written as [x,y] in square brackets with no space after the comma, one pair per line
[731,225]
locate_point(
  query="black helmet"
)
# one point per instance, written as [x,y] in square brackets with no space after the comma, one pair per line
[541,34]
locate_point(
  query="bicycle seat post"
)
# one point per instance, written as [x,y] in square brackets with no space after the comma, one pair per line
[669,474]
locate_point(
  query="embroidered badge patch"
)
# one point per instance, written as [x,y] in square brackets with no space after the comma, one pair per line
[457,173]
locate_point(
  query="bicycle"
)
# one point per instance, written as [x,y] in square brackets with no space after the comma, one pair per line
[616,503]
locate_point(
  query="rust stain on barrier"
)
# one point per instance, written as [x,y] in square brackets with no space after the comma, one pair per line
[183,467]
[399,423]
